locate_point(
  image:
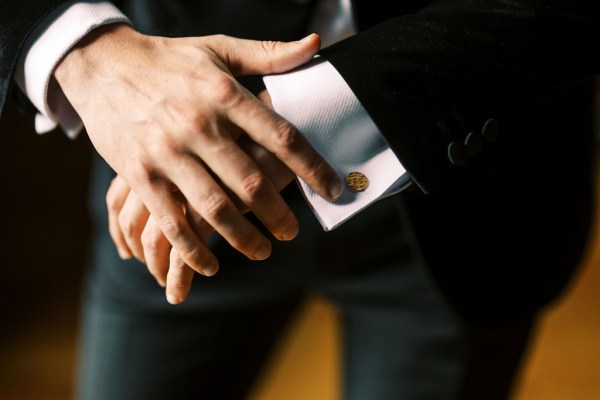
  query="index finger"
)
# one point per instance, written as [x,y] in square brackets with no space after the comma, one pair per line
[281,138]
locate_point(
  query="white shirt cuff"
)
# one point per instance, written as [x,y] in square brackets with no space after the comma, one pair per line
[317,100]
[45,47]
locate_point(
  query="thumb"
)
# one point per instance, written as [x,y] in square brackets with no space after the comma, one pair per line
[252,57]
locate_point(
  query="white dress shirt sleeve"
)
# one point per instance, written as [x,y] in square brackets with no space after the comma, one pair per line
[45,47]
[317,100]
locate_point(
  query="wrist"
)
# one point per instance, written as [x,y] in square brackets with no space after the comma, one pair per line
[88,55]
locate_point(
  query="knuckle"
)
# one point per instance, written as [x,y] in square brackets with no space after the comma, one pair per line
[215,207]
[218,39]
[253,185]
[269,46]
[225,91]
[311,176]
[192,124]
[172,226]
[286,136]
[317,170]
[160,147]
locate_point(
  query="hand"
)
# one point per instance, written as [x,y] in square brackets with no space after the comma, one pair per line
[166,115]
[135,232]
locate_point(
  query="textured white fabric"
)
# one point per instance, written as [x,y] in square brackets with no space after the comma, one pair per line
[45,47]
[320,104]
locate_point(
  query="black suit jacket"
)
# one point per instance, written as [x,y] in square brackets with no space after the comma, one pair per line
[502,231]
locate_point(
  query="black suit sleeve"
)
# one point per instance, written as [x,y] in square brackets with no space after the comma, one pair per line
[429,77]
[17,20]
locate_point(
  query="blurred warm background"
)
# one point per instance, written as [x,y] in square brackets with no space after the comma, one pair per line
[43,231]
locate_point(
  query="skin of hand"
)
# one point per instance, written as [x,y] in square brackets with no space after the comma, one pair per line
[136,233]
[166,113]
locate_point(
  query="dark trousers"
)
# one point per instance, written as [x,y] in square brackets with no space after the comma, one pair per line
[401,340]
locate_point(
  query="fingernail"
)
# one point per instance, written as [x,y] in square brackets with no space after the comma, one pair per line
[123,254]
[263,252]
[291,233]
[306,39]
[335,190]
[172,299]
[209,270]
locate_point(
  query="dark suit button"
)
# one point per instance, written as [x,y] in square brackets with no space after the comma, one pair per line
[457,153]
[490,130]
[474,143]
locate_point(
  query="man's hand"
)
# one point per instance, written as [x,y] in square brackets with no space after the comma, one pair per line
[136,233]
[166,115]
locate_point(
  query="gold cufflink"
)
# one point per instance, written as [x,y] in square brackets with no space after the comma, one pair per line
[357,181]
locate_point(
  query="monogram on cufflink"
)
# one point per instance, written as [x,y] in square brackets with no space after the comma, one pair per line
[357,181]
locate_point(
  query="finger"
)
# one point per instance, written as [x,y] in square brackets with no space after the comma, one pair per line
[240,174]
[179,276]
[115,198]
[179,279]
[156,251]
[208,199]
[132,220]
[171,219]
[281,138]
[251,57]
[272,167]
[202,229]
